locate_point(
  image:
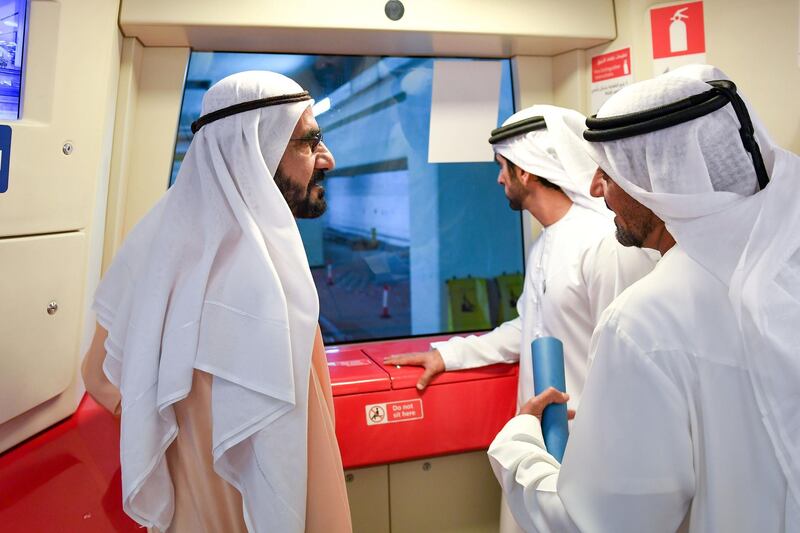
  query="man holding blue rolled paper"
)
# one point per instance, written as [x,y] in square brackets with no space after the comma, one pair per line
[689,419]
[573,271]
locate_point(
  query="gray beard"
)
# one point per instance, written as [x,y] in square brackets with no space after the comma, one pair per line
[626,238]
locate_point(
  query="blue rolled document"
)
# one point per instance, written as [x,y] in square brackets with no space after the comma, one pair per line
[548,371]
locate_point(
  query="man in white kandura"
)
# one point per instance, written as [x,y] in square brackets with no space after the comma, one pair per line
[574,269]
[207,342]
[691,413]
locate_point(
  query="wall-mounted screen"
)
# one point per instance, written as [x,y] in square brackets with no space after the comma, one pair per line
[406,247]
[13,18]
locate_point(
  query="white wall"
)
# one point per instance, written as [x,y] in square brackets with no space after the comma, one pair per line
[754,42]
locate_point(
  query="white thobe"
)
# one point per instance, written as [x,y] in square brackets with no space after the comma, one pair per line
[669,435]
[583,268]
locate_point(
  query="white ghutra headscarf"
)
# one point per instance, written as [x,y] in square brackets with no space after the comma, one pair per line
[215,278]
[555,153]
[698,178]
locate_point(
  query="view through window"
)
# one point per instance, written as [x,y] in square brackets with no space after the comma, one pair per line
[12,37]
[407,247]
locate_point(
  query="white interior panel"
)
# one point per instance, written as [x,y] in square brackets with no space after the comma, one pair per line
[39,349]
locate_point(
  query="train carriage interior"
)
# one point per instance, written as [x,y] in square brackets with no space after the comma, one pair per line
[418,243]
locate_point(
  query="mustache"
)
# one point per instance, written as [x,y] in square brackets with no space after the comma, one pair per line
[317,176]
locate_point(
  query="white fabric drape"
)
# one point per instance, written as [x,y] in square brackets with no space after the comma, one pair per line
[215,278]
[698,178]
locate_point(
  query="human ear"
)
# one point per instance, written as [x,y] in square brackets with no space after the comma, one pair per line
[526,178]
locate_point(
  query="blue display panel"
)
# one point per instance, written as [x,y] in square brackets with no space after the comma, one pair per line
[406,247]
[13,15]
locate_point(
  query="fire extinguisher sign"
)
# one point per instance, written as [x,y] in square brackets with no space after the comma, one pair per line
[610,73]
[678,33]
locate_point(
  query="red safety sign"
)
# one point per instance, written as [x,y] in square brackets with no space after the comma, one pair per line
[610,73]
[678,30]
[611,65]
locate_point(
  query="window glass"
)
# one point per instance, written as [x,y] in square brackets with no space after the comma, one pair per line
[406,247]
[12,36]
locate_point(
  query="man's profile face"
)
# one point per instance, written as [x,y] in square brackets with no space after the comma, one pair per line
[512,186]
[633,220]
[303,167]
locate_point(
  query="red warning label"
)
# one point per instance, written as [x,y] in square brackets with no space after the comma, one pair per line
[611,65]
[400,411]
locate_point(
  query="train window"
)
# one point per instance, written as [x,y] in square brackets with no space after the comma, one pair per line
[12,37]
[407,247]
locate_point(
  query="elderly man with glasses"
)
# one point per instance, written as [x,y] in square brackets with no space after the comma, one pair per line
[207,341]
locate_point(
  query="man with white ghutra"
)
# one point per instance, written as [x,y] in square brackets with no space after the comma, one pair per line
[574,270]
[690,418]
[207,342]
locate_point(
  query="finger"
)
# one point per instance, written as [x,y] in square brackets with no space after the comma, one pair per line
[570,414]
[425,378]
[405,359]
[553,395]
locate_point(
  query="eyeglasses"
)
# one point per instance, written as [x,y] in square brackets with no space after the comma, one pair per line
[313,140]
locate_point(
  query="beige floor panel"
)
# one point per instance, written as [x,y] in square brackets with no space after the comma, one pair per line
[368,491]
[451,494]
